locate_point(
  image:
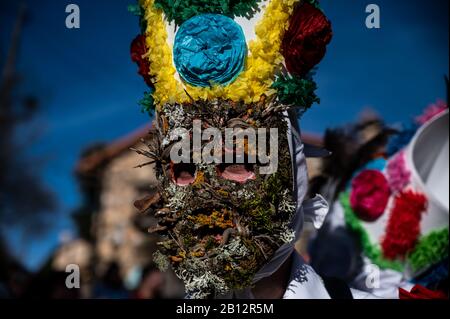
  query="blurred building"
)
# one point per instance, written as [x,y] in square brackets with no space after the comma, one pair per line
[110,229]
[111,183]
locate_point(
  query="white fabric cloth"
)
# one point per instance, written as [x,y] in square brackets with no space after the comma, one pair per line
[374,283]
[304,282]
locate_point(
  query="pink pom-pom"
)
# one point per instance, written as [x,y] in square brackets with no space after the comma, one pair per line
[398,173]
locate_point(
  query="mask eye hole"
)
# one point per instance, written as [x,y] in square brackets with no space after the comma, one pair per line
[240,173]
[183,174]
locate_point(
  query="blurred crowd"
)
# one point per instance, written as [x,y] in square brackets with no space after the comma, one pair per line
[17,282]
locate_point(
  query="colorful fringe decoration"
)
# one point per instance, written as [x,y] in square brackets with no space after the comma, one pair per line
[147,102]
[182,10]
[403,227]
[371,251]
[398,173]
[305,42]
[431,111]
[370,195]
[430,250]
[159,55]
[254,82]
[138,51]
[296,91]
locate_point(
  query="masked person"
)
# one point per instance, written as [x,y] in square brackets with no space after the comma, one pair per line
[389,221]
[226,143]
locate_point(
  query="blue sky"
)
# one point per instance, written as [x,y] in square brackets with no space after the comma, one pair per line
[89,87]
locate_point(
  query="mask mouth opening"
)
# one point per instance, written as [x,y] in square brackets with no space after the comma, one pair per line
[240,173]
[183,174]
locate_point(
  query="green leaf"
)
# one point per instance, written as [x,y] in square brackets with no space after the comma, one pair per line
[293,90]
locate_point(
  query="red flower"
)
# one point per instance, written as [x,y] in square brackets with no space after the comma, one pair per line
[403,227]
[370,195]
[304,44]
[420,292]
[138,49]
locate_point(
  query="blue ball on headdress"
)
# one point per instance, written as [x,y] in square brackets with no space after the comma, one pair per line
[209,49]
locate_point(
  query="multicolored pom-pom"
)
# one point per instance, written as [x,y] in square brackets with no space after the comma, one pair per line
[182,10]
[304,43]
[398,173]
[370,195]
[293,90]
[138,50]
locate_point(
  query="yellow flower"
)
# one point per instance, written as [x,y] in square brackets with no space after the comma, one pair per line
[199,179]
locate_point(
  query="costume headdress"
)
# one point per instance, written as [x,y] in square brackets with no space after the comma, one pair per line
[243,65]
